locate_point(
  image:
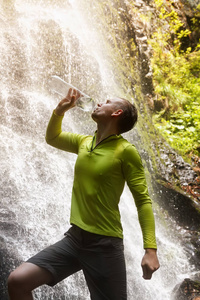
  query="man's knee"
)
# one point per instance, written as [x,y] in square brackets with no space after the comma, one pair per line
[28,277]
[16,281]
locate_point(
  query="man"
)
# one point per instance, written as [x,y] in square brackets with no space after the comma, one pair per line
[94,243]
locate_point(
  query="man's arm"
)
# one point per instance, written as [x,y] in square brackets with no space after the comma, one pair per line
[135,177]
[54,135]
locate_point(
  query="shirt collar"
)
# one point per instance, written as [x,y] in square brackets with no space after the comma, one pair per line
[110,137]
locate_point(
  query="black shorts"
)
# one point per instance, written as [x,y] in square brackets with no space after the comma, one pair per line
[101,258]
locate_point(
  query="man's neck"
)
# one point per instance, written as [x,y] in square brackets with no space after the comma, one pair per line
[104,132]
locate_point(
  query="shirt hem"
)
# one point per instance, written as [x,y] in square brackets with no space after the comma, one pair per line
[95,230]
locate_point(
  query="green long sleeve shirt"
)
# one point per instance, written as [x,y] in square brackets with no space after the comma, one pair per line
[100,174]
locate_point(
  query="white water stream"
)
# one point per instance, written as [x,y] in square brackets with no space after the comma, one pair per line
[38,39]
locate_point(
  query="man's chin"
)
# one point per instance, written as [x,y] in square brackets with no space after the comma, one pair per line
[93,115]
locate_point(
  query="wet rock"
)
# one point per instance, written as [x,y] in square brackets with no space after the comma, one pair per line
[189,6]
[170,165]
[180,206]
[195,242]
[187,290]
[139,28]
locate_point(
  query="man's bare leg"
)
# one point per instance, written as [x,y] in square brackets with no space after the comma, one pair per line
[26,278]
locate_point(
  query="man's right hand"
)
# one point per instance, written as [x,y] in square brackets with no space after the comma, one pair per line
[68,102]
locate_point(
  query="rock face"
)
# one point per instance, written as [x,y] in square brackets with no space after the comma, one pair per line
[167,164]
[187,290]
[142,28]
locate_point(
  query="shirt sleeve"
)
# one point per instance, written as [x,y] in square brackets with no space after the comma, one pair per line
[135,177]
[57,138]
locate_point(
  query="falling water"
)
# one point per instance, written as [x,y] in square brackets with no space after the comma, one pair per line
[39,39]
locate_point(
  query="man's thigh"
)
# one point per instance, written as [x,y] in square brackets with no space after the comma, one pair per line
[104,269]
[59,259]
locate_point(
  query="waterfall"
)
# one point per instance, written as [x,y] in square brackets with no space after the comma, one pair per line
[39,39]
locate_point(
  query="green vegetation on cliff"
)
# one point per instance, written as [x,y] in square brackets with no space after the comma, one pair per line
[176,70]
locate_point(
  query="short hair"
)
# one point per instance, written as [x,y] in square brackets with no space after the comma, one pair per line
[129,117]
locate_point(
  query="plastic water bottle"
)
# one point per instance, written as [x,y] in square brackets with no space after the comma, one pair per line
[61,88]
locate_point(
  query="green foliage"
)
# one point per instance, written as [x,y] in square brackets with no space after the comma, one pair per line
[176,80]
[196,19]
[182,130]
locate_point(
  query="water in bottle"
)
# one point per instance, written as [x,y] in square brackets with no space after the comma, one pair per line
[61,88]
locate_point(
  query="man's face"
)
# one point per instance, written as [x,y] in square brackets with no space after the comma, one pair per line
[104,111]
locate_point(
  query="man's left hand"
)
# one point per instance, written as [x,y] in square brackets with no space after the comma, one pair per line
[149,263]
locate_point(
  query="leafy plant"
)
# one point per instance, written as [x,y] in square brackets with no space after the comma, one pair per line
[182,130]
[177,81]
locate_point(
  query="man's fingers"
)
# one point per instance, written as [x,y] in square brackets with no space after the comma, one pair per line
[149,268]
[68,102]
[76,94]
[69,94]
[147,273]
[73,95]
[149,263]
